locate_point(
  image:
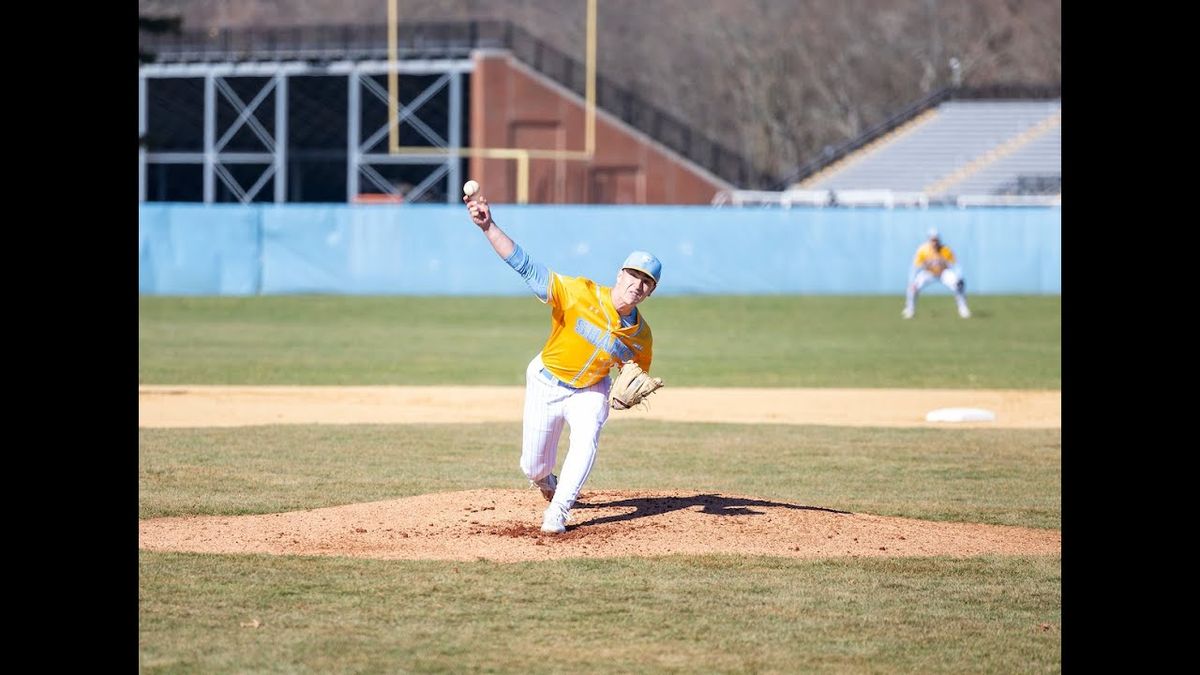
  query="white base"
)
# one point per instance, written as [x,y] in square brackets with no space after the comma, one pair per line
[960,415]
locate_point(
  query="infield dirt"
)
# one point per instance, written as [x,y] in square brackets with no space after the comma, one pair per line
[502,525]
[225,406]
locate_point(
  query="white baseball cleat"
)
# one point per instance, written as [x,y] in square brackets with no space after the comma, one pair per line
[555,520]
[964,312]
[907,313]
[547,485]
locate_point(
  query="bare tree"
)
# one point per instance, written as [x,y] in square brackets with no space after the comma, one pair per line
[777,80]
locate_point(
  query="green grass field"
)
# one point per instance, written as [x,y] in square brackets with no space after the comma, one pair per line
[709,614]
[784,341]
[933,474]
[736,614]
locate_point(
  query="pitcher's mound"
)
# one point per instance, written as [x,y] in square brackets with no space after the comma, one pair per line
[503,526]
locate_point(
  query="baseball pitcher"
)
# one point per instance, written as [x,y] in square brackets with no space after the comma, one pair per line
[593,329]
[934,261]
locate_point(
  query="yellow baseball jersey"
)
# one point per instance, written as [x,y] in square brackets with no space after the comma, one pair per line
[933,260]
[586,337]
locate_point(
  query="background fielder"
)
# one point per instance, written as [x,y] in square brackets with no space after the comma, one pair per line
[593,329]
[934,261]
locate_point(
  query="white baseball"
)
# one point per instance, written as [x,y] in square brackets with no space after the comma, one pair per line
[470,188]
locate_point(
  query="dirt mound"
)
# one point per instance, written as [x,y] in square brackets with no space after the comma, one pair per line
[503,526]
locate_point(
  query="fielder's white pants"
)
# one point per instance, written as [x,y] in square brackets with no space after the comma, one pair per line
[949,279]
[548,404]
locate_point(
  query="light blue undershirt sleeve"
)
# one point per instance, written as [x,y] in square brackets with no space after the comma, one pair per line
[535,274]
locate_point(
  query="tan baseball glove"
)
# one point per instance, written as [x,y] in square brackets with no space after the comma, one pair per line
[631,386]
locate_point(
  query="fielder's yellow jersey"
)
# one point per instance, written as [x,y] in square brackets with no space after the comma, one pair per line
[933,260]
[586,337]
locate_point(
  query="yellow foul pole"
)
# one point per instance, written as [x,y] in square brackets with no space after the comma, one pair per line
[393,79]
[589,145]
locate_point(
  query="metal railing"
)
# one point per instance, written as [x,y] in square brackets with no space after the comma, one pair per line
[785,199]
[323,42]
[890,199]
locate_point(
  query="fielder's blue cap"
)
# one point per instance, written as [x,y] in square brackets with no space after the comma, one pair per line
[644,262]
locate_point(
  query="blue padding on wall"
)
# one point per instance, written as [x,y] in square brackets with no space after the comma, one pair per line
[190,249]
[370,249]
[435,249]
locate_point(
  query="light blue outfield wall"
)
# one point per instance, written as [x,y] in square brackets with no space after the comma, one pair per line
[227,249]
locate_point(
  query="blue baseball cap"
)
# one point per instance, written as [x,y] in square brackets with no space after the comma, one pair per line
[644,262]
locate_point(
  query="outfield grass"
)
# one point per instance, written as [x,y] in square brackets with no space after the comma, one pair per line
[997,476]
[720,614]
[792,341]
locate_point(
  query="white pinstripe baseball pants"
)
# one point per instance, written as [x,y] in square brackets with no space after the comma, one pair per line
[549,403]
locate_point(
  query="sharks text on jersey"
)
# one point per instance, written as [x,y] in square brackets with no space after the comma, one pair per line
[600,338]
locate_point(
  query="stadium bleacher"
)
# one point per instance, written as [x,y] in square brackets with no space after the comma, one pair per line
[1023,136]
